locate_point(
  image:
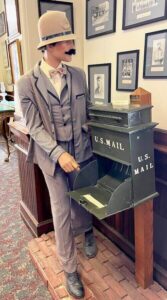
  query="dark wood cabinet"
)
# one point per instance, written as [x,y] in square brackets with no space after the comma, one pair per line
[35,204]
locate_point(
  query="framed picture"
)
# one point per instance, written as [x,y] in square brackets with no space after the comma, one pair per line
[100,17]
[12,16]
[15,60]
[140,12]
[2,24]
[67,7]
[99,82]
[5,57]
[127,70]
[155,55]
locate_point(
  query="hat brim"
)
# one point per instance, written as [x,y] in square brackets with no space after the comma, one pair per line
[57,39]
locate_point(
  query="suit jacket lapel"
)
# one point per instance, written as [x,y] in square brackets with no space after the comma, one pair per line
[69,82]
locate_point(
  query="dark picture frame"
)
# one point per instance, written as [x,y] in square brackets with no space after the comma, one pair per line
[2,24]
[141,13]
[15,60]
[155,55]
[127,70]
[99,83]
[100,17]
[67,7]
[13,19]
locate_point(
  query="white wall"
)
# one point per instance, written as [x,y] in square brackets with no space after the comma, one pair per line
[97,50]
[104,49]
[29,19]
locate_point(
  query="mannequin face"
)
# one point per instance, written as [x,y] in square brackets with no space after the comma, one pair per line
[55,54]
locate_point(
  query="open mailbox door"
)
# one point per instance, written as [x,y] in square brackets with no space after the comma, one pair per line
[125,138]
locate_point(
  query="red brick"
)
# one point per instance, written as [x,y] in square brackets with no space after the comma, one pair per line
[85,276]
[33,246]
[51,234]
[100,245]
[45,237]
[38,240]
[128,298]
[45,250]
[42,274]
[115,286]
[113,271]
[53,280]
[98,267]
[49,242]
[84,262]
[101,257]
[127,262]
[129,276]
[99,281]
[53,293]
[111,295]
[61,277]
[54,264]
[148,294]
[155,287]
[61,291]
[97,291]
[107,254]
[115,260]
[53,249]
[162,294]
[41,259]
[88,293]
[111,247]
[132,292]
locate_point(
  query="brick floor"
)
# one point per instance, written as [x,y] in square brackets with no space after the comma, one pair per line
[109,276]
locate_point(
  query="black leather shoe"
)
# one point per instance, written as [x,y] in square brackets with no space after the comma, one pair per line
[90,246]
[74,285]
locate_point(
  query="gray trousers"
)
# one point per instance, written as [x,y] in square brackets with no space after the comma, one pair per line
[69,218]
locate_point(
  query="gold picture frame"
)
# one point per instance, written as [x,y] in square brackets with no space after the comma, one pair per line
[15,60]
[2,24]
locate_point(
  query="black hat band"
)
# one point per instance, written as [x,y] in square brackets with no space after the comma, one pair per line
[48,37]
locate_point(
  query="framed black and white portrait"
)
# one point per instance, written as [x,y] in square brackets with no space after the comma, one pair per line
[100,17]
[127,70]
[140,12]
[155,55]
[99,82]
[67,7]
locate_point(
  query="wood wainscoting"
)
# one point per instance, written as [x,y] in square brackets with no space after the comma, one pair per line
[120,228]
[35,204]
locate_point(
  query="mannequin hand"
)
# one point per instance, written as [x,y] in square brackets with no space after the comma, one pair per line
[68,163]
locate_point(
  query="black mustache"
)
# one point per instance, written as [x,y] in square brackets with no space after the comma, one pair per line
[71,52]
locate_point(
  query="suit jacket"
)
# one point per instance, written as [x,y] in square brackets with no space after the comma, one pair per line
[34,91]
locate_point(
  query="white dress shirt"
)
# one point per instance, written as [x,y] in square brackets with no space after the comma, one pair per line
[57,83]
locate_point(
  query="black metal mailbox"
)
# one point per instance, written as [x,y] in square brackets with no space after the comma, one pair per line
[125,137]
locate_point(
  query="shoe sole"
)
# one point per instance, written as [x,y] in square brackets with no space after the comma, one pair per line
[73,295]
[93,255]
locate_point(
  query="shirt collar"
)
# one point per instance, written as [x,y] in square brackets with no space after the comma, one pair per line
[46,68]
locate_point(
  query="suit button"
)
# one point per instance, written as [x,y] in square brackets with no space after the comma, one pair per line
[65,124]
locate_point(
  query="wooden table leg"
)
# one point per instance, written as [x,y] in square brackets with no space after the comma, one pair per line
[143,214]
[4,134]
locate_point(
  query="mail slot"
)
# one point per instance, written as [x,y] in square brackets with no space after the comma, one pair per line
[124,137]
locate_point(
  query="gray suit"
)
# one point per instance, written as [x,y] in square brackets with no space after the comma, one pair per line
[50,136]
